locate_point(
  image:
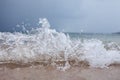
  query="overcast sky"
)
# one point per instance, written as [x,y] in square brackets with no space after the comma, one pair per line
[98,16]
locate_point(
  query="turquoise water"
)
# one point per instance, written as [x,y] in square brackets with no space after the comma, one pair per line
[102,37]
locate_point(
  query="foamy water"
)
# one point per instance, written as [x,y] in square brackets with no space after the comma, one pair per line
[47,45]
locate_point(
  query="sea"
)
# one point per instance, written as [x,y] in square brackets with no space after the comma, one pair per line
[48,46]
[105,37]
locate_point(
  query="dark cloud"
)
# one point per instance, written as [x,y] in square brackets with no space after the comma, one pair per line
[70,15]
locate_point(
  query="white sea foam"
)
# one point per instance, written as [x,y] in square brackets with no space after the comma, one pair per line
[45,44]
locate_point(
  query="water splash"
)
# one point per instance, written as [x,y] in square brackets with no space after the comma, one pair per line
[47,45]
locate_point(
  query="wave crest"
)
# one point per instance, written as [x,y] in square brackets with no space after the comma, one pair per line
[47,45]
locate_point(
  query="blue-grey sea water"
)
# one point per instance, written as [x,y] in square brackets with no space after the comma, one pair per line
[105,37]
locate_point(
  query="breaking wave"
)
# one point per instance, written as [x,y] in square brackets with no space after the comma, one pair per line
[49,46]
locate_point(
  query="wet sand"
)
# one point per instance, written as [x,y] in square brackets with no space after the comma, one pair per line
[50,73]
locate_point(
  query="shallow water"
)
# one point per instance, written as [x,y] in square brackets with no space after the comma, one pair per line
[51,47]
[105,37]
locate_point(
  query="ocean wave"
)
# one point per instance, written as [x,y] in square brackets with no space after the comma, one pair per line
[49,46]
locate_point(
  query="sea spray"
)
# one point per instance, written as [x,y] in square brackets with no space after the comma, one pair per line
[51,47]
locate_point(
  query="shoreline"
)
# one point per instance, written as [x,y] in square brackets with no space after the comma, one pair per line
[38,72]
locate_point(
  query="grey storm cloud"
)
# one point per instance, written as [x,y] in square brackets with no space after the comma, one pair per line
[70,15]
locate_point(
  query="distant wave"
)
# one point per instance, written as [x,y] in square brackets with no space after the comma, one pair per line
[47,45]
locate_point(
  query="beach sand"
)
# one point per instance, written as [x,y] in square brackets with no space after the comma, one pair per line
[38,72]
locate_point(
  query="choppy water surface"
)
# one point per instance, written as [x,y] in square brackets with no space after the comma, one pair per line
[47,45]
